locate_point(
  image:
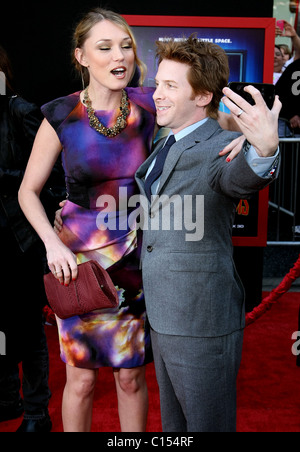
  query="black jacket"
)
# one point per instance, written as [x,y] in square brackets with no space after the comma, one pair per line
[288,89]
[19,123]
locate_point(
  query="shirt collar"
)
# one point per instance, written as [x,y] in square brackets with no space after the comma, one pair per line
[183,133]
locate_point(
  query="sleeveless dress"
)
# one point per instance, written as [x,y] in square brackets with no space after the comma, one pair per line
[100,179]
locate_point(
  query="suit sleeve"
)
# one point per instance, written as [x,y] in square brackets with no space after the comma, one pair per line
[236,179]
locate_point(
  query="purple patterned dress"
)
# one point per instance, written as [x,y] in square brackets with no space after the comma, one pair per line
[100,169]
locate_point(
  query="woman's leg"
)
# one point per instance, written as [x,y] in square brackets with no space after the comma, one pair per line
[133,402]
[77,408]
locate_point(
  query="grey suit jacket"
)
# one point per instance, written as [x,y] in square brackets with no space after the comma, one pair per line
[190,281]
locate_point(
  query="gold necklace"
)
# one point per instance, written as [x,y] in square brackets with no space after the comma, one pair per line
[121,119]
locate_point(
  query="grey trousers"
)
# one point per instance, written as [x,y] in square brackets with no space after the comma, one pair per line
[197,381]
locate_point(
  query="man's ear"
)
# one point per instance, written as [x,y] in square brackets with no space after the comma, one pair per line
[203,100]
[80,57]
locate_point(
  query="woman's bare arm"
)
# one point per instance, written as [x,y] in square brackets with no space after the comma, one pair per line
[45,152]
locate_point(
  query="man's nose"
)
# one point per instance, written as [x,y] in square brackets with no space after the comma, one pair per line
[158,93]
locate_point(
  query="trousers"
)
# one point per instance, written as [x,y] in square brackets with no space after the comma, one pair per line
[197,381]
[22,298]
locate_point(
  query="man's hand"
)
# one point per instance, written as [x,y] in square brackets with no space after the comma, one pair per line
[257,123]
[295,122]
[58,223]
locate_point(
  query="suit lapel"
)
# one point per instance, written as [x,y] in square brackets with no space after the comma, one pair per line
[201,134]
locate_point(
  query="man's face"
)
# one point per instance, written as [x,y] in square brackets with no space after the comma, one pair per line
[176,104]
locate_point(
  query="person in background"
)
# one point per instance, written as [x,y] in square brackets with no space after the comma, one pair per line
[278,64]
[21,268]
[281,60]
[288,90]
[286,52]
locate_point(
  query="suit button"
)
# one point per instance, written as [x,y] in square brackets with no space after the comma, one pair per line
[149,249]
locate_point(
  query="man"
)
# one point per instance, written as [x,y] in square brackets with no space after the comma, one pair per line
[194,297]
[280,61]
[288,90]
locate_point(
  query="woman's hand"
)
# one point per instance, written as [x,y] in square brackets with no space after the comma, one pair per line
[234,148]
[61,261]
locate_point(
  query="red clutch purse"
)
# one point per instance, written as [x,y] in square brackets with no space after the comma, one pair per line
[92,290]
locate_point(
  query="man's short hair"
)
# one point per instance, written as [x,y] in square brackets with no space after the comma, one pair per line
[209,66]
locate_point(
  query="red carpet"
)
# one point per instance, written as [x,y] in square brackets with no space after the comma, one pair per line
[268,385]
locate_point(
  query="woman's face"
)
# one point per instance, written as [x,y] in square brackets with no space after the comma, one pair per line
[278,60]
[286,56]
[108,55]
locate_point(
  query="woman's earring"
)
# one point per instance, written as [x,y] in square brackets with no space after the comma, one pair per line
[82,80]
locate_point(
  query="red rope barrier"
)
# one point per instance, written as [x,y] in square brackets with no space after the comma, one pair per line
[275,295]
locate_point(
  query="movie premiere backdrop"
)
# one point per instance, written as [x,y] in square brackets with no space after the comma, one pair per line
[249,44]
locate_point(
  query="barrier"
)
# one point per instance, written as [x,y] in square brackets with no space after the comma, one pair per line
[284,196]
[275,295]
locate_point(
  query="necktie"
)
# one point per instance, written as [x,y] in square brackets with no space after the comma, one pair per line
[159,165]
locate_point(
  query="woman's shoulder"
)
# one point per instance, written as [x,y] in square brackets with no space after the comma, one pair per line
[143,97]
[57,110]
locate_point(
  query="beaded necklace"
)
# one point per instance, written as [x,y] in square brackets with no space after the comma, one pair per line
[121,123]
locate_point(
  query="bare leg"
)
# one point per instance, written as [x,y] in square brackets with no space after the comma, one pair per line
[133,402]
[77,408]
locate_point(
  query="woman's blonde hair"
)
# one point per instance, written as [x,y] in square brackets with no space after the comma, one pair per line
[83,29]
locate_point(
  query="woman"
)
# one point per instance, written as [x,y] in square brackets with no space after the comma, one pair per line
[102,146]
[98,160]
[278,64]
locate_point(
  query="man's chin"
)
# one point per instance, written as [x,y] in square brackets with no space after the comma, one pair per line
[162,123]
